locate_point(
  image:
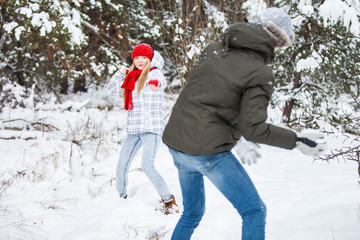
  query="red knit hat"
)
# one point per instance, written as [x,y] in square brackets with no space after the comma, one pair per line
[142,50]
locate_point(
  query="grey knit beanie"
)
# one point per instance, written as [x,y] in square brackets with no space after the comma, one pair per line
[278,24]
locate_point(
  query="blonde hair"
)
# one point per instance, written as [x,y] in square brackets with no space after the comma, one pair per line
[142,78]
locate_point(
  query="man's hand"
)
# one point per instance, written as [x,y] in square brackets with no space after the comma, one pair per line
[311,142]
[247,151]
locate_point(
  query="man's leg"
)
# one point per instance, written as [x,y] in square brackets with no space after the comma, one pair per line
[229,176]
[192,187]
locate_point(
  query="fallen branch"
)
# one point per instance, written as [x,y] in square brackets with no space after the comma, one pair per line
[8,183]
[40,126]
[346,153]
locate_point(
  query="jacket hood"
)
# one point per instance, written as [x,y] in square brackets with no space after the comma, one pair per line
[249,36]
[157,61]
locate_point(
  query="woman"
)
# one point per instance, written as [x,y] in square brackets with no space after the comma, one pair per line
[142,87]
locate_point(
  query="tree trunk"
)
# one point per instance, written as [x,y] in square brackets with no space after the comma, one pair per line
[80,85]
[64,85]
[290,104]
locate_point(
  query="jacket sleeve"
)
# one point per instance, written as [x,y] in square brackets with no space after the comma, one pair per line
[114,85]
[253,116]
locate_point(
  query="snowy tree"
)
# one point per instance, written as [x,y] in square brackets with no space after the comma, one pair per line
[40,42]
[187,27]
[64,45]
[68,45]
[320,75]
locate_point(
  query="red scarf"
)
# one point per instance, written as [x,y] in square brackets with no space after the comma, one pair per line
[129,85]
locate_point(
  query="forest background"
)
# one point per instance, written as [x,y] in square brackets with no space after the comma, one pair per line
[70,46]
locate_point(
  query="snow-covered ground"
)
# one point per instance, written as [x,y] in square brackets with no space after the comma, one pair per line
[57,182]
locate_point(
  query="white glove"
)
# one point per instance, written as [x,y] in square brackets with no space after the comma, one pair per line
[311,142]
[124,70]
[247,151]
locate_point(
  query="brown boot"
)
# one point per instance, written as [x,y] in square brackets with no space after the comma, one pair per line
[170,206]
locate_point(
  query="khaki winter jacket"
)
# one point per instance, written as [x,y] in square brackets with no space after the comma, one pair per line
[227,96]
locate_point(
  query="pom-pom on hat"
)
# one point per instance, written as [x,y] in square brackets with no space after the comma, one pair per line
[142,50]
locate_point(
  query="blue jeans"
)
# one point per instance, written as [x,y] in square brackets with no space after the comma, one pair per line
[130,147]
[228,175]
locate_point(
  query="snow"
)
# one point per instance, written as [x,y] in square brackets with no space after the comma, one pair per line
[26,11]
[193,51]
[42,20]
[333,11]
[17,90]
[8,27]
[218,17]
[34,6]
[73,24]
[59,184]
[305,7]
[312,62]
[254,7]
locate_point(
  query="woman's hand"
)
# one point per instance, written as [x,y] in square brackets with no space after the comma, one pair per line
[153,85]
[124,70]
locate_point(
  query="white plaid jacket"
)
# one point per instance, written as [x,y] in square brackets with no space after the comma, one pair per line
[146,115]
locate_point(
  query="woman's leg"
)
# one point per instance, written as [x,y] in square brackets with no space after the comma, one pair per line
[128,151]
[150,142]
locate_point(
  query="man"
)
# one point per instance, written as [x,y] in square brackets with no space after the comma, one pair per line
[225,99]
